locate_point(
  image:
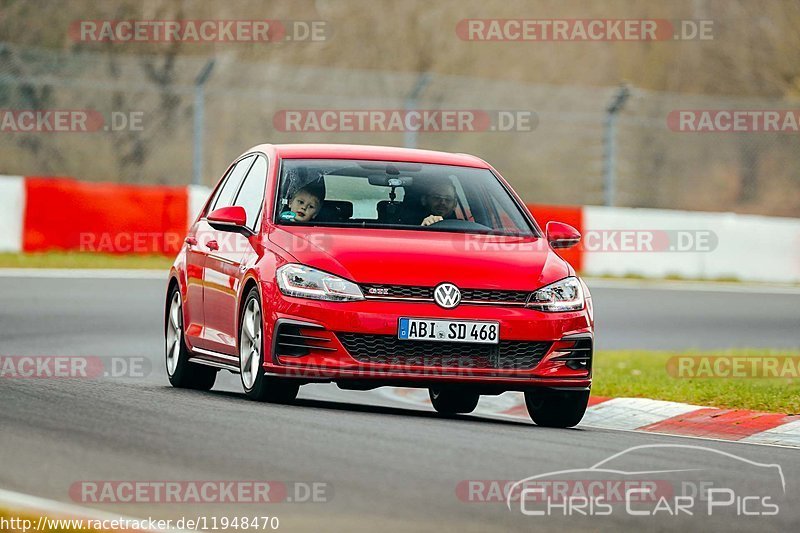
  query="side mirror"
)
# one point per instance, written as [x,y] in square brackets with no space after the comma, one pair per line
[561,235]
[232,218]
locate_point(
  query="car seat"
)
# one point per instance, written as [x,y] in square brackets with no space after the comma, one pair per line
[335,211]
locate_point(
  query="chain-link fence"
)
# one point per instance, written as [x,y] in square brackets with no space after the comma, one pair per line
[547,140]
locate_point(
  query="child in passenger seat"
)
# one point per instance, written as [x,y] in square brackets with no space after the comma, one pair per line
[304,204]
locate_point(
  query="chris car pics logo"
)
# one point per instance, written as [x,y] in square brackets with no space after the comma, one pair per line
[680,480]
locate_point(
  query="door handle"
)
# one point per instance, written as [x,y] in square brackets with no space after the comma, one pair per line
[212,245]
[191,241]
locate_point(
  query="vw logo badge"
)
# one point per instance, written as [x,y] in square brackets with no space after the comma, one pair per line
[447,295]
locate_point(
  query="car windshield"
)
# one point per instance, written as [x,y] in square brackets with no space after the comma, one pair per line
[385,194]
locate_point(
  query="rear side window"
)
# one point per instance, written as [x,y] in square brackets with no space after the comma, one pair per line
[228,190]
[251,194]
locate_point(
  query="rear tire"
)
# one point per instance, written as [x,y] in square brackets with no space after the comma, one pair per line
[181,373]
[556,408]
[256,385]
[452,401]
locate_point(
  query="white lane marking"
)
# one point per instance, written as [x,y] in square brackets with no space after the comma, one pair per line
[18,500]
[84,273]
[690,286]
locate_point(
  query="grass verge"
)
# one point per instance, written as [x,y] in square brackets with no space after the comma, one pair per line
[83,260]
[646,374]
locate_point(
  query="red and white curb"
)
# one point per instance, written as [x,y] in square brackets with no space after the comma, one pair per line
[642,414]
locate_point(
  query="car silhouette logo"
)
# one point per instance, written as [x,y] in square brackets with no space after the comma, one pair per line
[447,295]
[615,466]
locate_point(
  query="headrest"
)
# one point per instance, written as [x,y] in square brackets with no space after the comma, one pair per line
[335,210]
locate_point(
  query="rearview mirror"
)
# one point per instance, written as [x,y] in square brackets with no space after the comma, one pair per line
[561,235]
[232,218]
[385,180]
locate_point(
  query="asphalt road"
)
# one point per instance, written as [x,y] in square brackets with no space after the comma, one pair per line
[387,465]
[690,315]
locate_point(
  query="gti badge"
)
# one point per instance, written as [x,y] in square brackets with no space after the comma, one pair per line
[378,290]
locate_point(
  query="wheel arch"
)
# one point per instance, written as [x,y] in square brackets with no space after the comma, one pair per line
[171,285]
[247,286]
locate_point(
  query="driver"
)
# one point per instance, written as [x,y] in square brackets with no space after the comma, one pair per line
[439,202]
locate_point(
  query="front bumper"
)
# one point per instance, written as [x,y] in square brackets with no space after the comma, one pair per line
[306,340]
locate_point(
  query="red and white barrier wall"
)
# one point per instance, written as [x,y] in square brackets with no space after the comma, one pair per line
[693,245]
[39,214]
[658,243]
[12,211]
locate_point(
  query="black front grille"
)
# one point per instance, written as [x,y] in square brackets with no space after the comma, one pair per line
[292,340]
[579,357]
[397,291]
[480,296]
[388,349]
[484,295]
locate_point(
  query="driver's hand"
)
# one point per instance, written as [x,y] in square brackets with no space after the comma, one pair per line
[431,219]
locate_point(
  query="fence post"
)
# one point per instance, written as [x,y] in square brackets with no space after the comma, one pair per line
[410,136]
[610,145]
[199,120]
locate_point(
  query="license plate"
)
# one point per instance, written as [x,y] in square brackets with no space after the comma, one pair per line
[422,329]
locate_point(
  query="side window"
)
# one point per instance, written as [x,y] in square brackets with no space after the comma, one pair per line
[228,190]
[251,195]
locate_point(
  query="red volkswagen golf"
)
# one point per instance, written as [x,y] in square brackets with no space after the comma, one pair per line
[373,266]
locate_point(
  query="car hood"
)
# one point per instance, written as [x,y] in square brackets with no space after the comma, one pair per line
[406,257]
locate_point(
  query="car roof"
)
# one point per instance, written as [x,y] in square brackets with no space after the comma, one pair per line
[370,152]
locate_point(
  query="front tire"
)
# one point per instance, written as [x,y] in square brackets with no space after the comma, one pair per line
[256,385]
[556,408]
[181,373]
[452,401]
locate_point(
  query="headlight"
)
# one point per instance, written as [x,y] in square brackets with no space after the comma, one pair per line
[306,282]
[563,295]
